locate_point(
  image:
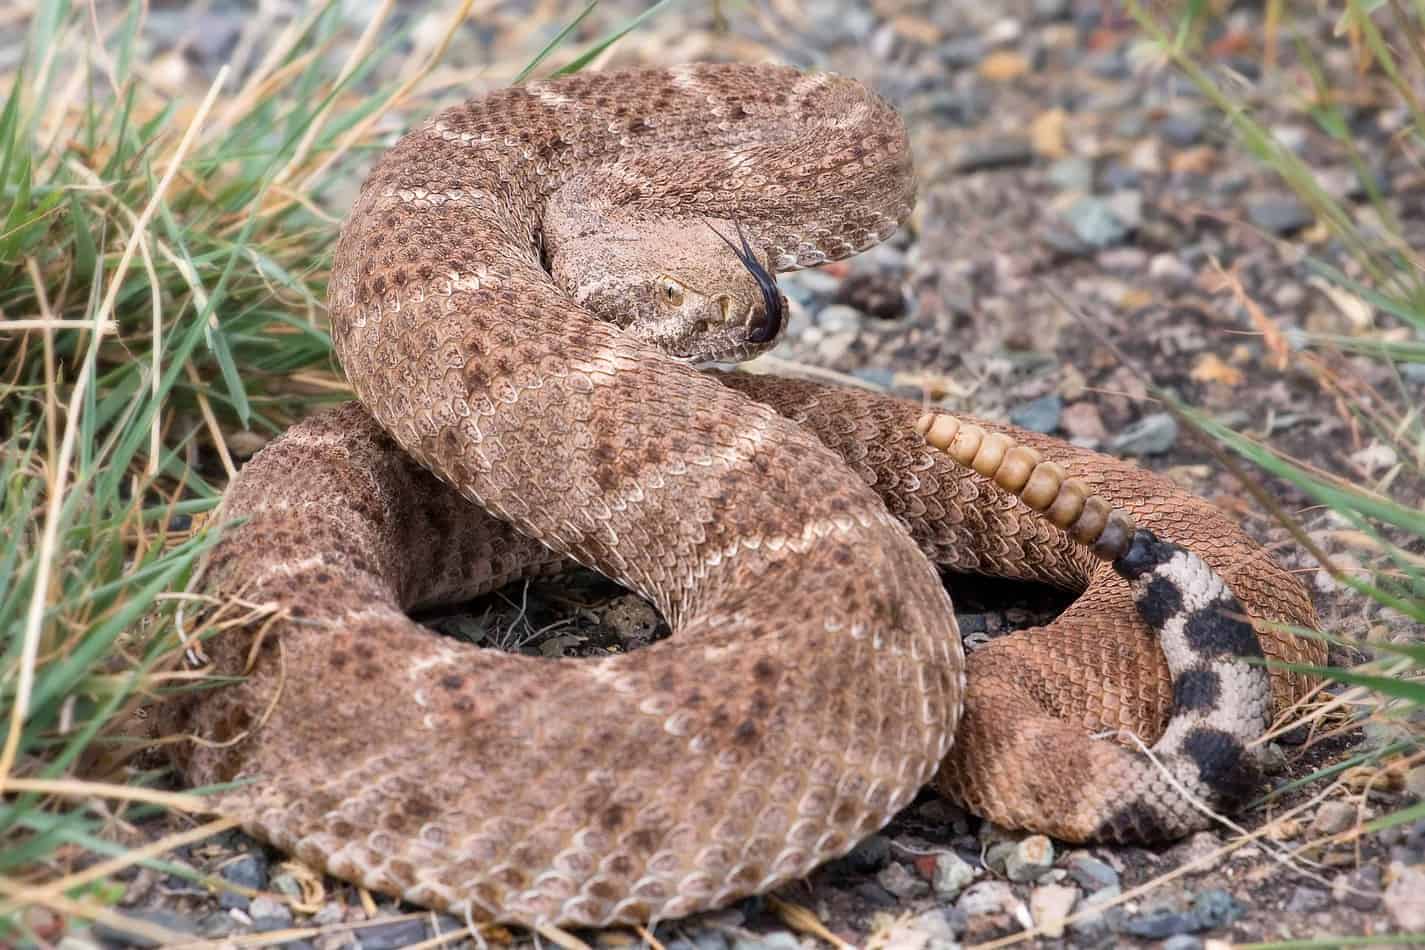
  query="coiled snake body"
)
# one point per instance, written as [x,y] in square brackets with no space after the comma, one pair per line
[517,296]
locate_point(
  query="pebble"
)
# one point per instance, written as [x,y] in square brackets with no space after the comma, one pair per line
[398,933]
[938,928]
[249,870]
[1160,924]
[1094,223]
[902,883]
[1153,434]
[1333,818]
[1181,129]
[868,856]
[962,52]
[1359,890]
[166,919]
[1049,905]
[1305,900]
[1279,214]
[1029,859]
[1091,873]
[1404,898]
[952,874]
[1001,152]
[809,285]
[1095,921]
[1415,778]
[1215,908]
[839,318]
[269,914]
[987,897]
[1039,415]
[1071,174]
[1182,942]
[776,940]
[1169,269]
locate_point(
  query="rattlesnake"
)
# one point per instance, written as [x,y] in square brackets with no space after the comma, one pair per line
[788,531]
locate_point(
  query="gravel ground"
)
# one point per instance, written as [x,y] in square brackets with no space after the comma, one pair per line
[1055,158]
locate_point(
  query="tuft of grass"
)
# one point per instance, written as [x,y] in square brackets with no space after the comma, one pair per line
[162,272]
[1378,523]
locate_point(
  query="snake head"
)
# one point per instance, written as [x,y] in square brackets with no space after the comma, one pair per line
[680,285]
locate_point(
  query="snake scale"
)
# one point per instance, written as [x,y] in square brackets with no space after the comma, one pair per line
[520,298]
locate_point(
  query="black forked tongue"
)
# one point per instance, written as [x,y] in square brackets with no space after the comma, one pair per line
[771,323]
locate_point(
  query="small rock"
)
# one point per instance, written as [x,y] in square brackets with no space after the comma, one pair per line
[1029,859]
[1359,890]
[1279,214]
[839,318]
[249,870]
[1071,174]
[987,897]
[1404,899]
[809,285]
[1123,260]
[1182,942]
[1182,129]
[1169,269]
[777,940]
[1003,65]
[1415,778]
[874,894]
[1127,207]
[952,874]
[269,914]
[1160,924]
[869,856]
[902,883]
[1215,908]
[1002,152]
[1091,873]
[392,936]
[1196,850]
[1094,223]
[960,52]
[1039,415]
[937,926]
[1305,900]
[166,919]
[1333,817]
[1153,434]
[1095,921]
[1050,904]
[1117,175]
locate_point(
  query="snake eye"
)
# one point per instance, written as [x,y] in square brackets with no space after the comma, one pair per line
[670,292]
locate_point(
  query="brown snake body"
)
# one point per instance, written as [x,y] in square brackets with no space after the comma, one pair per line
[516,298]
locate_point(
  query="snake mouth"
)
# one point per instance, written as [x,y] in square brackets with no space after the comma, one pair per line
[766,328]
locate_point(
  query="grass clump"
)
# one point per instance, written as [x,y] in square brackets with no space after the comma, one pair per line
[162,268]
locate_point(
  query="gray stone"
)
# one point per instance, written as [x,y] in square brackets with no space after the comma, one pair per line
[1071,174]
[1404,899]
[1127,206]
[870,855]
[1215,908]
[392,936]
[1333,818]
[1182,129]
[1360,890]
[961,52]
[1091,873]
[952,875]
[1039,415]
[1182,942]
[1005,151]
[1093,223]
[153,915]
[249,870]
[777,940]
[1279,214]
[839,318]
[902,883]
[809,285]
[1095,921]
[1029,859]
[986,897]
[1169,269]
[269,914]
[1160,924]
[1117,175]
[1153,434]
[1305,900]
